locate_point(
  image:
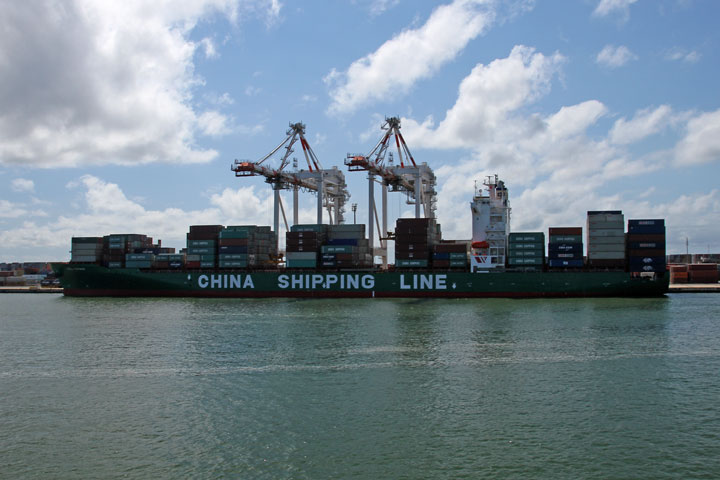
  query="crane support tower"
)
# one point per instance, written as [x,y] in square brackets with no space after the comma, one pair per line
[416,181]
[328,184]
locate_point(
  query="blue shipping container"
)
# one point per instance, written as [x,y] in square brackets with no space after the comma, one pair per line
[565,263]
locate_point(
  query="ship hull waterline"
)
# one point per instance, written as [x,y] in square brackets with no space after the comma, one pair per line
[96,281]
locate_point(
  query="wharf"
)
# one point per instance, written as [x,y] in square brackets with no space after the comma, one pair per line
[31,289]
[694,288]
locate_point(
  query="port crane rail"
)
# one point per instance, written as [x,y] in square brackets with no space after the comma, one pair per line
[416,181]
[328,184]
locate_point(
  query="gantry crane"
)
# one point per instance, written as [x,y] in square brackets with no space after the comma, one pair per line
[329,185]
[416,181]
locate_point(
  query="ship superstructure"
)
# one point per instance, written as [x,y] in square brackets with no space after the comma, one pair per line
[490,226]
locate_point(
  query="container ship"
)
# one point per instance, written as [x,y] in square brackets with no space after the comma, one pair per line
[339,260]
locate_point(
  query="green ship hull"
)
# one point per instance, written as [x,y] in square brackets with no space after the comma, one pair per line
[95,280]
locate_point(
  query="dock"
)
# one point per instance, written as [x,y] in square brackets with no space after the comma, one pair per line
[694,288]
[31,289]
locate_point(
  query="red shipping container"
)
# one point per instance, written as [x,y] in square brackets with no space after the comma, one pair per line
[565,231]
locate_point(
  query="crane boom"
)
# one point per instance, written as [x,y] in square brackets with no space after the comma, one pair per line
[329,184]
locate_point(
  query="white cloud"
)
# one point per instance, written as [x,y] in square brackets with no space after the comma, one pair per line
[11,210]
[487,98]
[378,7]
[90,82]
[701,143]
[106,209]
[619,7]
[214,124]
[411,55]
[23,185]
[613,57]
[645,123]
[680,54]
[209,48]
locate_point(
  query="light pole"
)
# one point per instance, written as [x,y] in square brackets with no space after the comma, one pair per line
[354,210]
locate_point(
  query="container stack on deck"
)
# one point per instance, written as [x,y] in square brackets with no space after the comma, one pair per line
[450,255]
[646,246]
[302,245]
[86,250]
[202,246]
[606,239]
[526,251]
[243,246]
[121,247]
[345,247]
[565,248]
[414,241]
[702,273]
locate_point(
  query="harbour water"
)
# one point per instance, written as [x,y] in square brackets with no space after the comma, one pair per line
[319,389]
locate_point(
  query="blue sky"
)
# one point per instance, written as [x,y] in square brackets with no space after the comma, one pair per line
[126,118]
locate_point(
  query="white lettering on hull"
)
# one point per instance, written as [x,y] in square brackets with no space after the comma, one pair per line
[423,282]
[226,281]
[319,281]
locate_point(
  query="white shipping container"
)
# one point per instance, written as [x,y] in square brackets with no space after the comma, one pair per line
[606,255]
[607,217]
[606,248]
[607,232]
[301,255]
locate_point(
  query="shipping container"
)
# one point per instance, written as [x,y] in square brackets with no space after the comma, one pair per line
[411,263]
[565,231]
[527,237]
[560,263]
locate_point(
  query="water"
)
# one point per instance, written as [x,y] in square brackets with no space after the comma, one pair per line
[316,389]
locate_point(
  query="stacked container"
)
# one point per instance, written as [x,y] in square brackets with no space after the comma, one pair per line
[646,246]
[703,273]
[243,246]
[139,260]
[345,247]
[526,251]
[119,245]
[86,250]
[679,274]
[169,260]
[302,245]
[414,241]
[452,255]
[202,244]
[565,248]
[606,239]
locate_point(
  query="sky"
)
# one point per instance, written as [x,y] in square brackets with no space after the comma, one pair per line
[124,117]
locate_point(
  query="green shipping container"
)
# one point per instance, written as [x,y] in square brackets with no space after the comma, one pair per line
[302,263]
[525,261]
[526,253]
[138,264]
[309,227]
[201,251]
[201,243]
[566,238]
[527,237]
[338,248]
[233,264]
[233,256]
[411,263]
